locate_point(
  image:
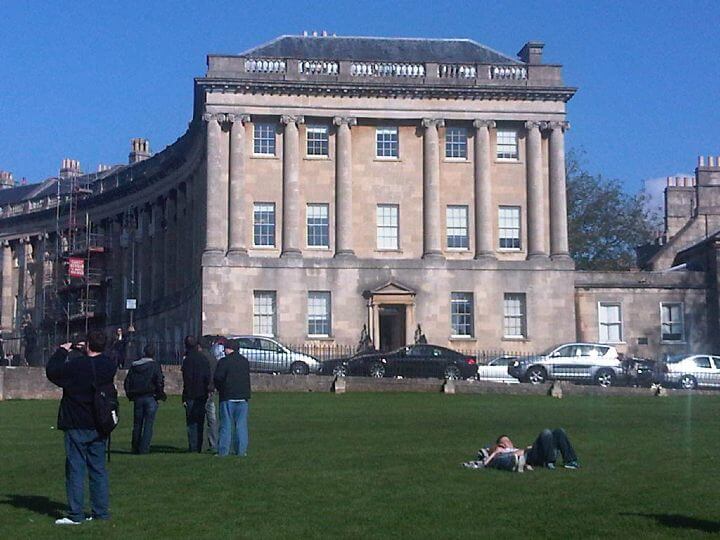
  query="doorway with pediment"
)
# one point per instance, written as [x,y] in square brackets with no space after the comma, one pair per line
[391,315]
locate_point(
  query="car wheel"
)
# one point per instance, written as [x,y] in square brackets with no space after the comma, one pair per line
[377,370]
[452,372]
[605,378]
[688,382]
[536,375]
[299,368]
[340,371]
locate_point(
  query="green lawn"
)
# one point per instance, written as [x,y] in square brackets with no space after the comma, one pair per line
[385,465]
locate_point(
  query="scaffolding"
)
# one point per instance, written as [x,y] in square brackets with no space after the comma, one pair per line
[74,281]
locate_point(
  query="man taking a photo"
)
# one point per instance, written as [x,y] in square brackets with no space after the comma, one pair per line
[78,375]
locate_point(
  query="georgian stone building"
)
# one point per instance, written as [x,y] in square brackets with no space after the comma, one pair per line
[325,184]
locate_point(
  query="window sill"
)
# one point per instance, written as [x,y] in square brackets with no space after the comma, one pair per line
[463,338]
[508,161]
[662,342]
[318,248]
[458,250]
[263,156]
[515,338]
[456,160]
[320,337]
[612,343]
[510,250]
[265,248]
[387,159]
[317,158]
[390,250]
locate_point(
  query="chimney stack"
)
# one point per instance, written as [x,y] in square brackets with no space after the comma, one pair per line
[6,180]
[70,168]
[103,168]
[531,53]
[139,150]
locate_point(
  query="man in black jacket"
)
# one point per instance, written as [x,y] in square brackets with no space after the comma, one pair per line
[196,382]
[77,375]
[232,381]
[145,386]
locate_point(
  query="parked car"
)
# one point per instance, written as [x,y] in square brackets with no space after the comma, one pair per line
[419,360]
[586,362]
[496,370]
[269,356]
[690,371]
[639,372]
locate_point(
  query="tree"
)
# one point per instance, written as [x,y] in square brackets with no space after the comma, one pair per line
[605,224]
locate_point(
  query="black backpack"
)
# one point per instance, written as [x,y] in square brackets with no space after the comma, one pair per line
[106,405]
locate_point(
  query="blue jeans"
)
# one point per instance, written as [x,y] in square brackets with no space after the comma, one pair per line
[194,418]
[144,411]
[85,451]
[545,448]
[233,414]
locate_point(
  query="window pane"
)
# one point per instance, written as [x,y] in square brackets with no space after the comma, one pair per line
[457,227]
[319,313]
[507,146]
[514,315]
[317,140]
[318,228]
[461,314]
[386,142]
[387,226]
[456,142]
[610,319]
[672,326]
[264,224]
[509,227]
[264,313]
[264,139]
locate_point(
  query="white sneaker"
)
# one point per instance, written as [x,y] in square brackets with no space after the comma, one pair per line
[67,521]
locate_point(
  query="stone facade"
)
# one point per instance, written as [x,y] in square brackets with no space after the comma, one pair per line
[277,212]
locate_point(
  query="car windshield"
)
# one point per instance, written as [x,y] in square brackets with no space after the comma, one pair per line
[675,358]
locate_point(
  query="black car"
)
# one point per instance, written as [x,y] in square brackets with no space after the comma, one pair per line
[420,360]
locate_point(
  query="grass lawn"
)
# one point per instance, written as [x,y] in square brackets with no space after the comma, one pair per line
[384,465]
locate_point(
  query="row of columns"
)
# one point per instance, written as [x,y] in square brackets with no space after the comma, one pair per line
[226,221]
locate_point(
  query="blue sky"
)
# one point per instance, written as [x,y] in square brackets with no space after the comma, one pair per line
[81,78]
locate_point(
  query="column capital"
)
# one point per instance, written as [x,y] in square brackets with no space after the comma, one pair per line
[533,124]
[479,123]
[552,125]
[219,117]
[347,120]
[290,119]
[237,117]
[433,122]
[6,243]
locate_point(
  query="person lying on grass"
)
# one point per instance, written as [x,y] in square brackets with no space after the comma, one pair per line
[505,455]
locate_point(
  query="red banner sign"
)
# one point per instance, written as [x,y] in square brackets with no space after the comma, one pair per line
[76,267]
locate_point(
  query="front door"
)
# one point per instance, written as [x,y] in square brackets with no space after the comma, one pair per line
[392,326]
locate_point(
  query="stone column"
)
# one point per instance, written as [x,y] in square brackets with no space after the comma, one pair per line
[432,229]
[535,217]
[558,197]
[169,244]
[216,232]
[484,248]
[238,208]
[156,252]
[143,257]
[183,245]
[343,187]
[6,313]
[291,226]
[40,265]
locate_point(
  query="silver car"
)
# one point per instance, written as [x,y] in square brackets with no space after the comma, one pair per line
[587,362]
[691,371]
[269,356]
[496,370]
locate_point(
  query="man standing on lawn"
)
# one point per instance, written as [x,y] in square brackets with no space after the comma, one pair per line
[84,447]
[206,349]
[145,387]
[196,383]
[232,380]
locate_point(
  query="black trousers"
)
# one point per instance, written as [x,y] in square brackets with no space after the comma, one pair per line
[547,445]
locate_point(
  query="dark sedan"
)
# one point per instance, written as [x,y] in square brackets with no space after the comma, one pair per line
[419,360]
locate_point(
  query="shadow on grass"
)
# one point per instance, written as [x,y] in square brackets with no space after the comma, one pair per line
[36,503]
[160,449]
[677,521]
